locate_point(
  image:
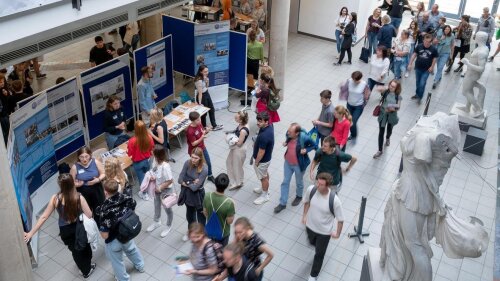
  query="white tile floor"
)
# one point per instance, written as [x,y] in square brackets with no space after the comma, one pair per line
[468,187]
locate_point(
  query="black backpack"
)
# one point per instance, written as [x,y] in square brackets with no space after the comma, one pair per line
[129,226]
[330,200]
[218,254]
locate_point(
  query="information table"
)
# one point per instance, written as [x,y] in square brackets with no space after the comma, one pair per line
[210,11]
[178,119]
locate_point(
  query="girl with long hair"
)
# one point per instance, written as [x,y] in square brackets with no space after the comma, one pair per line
[388,117]
[69,204]
[263,93]
[88,174]
[113,170]
[463,33]
[347,39]
[139,149]
[202,256]
[162,174]
[340,24]
[255,246]
[341,126]
[238,152]
[445,47]
[192,178]
[201,83]
[255,54]
[372,27]
[114,121]
[412,39]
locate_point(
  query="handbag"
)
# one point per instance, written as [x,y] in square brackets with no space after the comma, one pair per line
[182,196]
[365,52]
[169,200]
[378,108]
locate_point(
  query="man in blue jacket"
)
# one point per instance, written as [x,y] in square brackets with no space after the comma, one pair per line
[298,144]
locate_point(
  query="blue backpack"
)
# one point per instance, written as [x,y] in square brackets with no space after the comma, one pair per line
[314,135]
[213,228]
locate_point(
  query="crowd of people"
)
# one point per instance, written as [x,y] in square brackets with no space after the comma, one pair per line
[102,191]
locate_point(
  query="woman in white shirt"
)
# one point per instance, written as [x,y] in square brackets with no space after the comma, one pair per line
[260,35]
[356,92]
[400,51]
[379,67]
[340,24]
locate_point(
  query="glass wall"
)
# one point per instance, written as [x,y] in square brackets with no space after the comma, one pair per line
[457,8]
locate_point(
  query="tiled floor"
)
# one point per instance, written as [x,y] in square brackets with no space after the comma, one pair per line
[468,186]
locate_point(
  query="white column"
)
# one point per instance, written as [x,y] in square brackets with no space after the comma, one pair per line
[15,263]
[280,13]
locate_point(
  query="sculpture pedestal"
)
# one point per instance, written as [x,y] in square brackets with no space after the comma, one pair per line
[474,141]
[371,270]
[465,120]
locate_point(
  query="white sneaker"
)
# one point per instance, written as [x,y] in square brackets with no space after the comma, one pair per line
[185,238]
[143,195]
[407,74]
[153,226]
[166,231]
[312,278]
[262,199]
[257,190]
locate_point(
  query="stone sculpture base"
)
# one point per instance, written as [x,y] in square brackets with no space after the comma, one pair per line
[371,270]
[467,119]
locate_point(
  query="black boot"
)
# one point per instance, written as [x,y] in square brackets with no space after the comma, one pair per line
[450,64]
[459,68]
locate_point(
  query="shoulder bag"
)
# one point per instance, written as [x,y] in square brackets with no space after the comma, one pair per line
[378,108]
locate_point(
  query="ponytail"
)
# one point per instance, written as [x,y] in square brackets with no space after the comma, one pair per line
[272,86]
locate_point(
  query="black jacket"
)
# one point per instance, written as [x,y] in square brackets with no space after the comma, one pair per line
[113,119]
[111,210]
[349,30]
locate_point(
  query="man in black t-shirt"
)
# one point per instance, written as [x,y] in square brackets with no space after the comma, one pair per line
[101,52]
[395,11]
[425,56]
[238,268]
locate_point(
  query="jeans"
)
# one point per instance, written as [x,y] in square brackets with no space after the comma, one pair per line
[396,22]
[372,42]
[195,215]
[140,169]
[372,83]
[158,205]
[114,252]
[288,171]
[320,243]
[381,131]
[400,67]
[338,40]
[111,140]
[441,62]
[82,258]
[421,79]
[206,101]
[356,112]
[207,160]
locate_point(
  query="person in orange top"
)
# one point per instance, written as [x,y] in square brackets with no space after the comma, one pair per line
[226,9]
[341,126]
[139,148]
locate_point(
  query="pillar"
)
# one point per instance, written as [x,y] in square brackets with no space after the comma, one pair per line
[280,13]
[15,263]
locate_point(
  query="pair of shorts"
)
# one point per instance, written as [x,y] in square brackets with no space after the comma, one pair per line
[396,22]
[261,170]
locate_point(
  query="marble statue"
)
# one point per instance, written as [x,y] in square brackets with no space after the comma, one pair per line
[475,68]
[416,213]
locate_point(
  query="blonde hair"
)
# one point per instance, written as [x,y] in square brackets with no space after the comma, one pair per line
[266,69]
[113,170]
[375,11]
[156,115]
[340,109]
[386,19]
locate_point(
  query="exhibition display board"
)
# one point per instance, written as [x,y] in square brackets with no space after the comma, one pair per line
[101,82]
[32,158]
[238,61]
[158,56]
[182,32]
[65,115]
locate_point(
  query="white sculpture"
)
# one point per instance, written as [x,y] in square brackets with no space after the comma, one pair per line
[475,68]
[415,211]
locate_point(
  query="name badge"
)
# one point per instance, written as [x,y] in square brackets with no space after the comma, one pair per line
[81,171]
[115,117]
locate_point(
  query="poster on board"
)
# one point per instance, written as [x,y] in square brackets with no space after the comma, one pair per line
[101,82]
[211,42]
[32,157]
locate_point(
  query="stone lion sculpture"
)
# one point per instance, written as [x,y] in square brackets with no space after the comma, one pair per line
[415,212]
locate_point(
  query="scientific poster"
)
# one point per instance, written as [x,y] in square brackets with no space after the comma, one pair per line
[157,63]
[32,157]
[212,49]
[99,94]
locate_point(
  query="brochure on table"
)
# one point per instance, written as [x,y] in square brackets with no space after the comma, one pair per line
[158,56]
[211,41]
[32,159]
[101,82]
[65,115]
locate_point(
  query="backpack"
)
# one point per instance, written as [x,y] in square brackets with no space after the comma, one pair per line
[314,135]
[330,201]
[273,102]
[129,226]
[218,248]
[164,125]
[213,227]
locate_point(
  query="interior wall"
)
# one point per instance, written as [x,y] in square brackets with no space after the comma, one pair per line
[294,16]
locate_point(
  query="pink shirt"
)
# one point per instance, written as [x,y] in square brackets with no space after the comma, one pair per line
[291,153]
[341,131]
